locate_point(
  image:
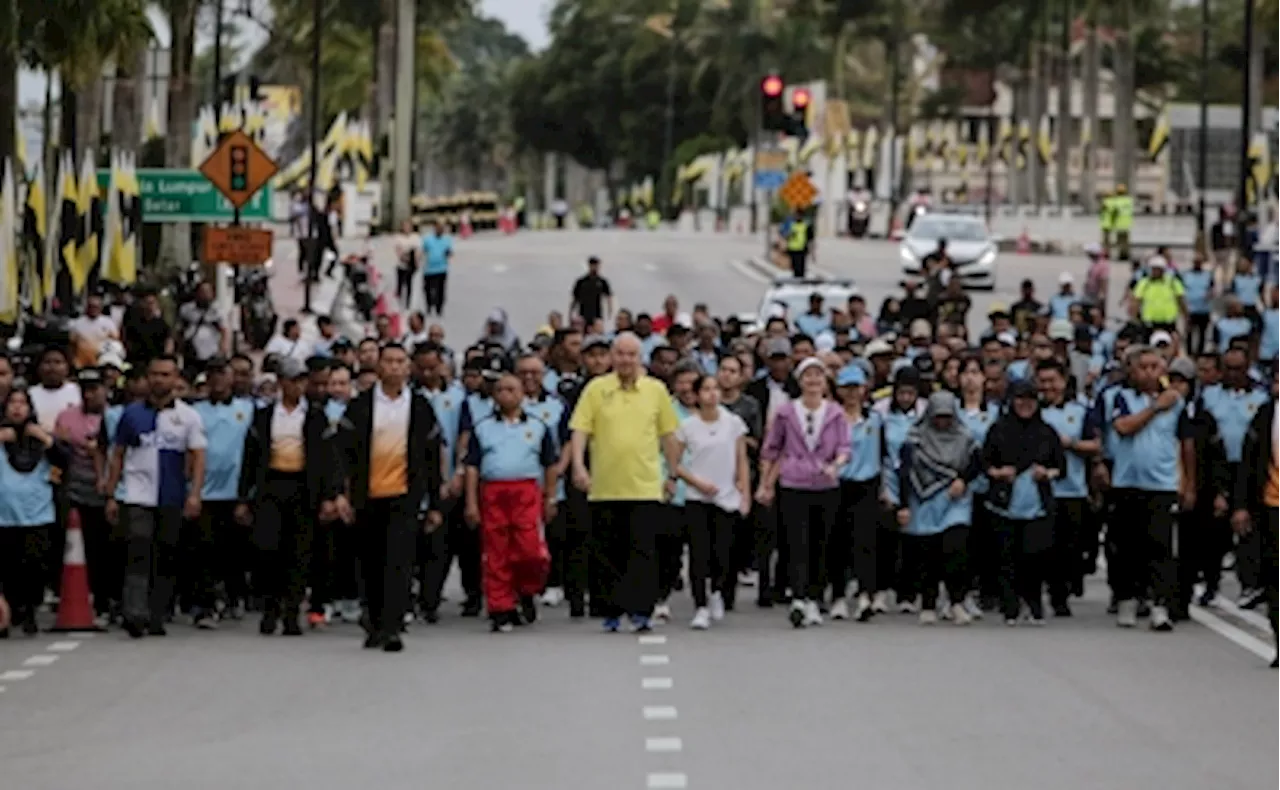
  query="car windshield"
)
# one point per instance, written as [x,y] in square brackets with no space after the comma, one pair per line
[797,302]
[950,228]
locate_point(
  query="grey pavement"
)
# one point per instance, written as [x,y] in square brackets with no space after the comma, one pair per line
[750,705]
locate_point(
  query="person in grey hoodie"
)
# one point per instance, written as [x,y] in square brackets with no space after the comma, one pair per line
[804,449]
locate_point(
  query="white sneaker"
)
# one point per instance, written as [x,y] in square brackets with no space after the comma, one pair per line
[1127,614]
[796,614]
[1160,619]
[959,615]
[717,606]
[661,612]
[880,603]
[701,619]
[928,617]
[349,610]
[812,614]
[840,609]
[553,597]
[908,607]
[863,608]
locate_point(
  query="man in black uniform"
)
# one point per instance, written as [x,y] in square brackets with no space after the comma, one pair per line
[591,295]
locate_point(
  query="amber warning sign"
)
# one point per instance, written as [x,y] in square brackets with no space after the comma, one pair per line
[238,168]
[242,246]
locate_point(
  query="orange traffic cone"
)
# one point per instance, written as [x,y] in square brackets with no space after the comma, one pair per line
[464,226]
[75,612]
[1024,242]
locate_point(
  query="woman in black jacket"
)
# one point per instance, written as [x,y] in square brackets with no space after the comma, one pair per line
[1022,456]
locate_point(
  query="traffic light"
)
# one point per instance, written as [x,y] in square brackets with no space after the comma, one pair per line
[773,113]
[800,99]
[239,168]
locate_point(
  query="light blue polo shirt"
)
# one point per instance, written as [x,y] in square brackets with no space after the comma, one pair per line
[813,325]
[1269,345]
[1069,420]
[1247,288]
[226,425]
[1228,328]
[436,251]
[506,450]
[865,439]
[1149,460]
[1197,291]
[475,407]
[1234,411]
[1060,305]
[1025,501]
[447,405]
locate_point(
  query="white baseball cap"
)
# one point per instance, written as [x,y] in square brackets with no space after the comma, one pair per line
[809,362]
[1157,262]
[1066,278]
[1161,338]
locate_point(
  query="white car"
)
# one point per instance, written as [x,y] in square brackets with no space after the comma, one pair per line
[788,297]
[972,250]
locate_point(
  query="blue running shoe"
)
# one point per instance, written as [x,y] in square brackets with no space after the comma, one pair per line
[611,625]
[640,624]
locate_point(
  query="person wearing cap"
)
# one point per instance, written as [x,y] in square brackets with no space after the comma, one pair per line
[289,476]
[1231,325]
[597,358]
[391,442]
[627,421]
[218,544]
[1061,302]
[1154,471]
[78,428]
[852,553]
[933,507]
[1158,297]
[804,449]
[1022,457]
[1255,505]
[511,469]
[158,453]
[778,386]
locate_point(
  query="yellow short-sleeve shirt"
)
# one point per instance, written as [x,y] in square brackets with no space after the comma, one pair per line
[625,427]
[1158,299]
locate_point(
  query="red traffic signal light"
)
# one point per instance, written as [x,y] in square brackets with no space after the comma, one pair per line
[800,98]
[772,86]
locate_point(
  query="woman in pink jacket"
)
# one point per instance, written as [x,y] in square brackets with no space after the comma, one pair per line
[806,445]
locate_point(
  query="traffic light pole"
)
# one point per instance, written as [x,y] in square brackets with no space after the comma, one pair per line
[313,234]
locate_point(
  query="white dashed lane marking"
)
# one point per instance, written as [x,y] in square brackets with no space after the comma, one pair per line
[42,660]
[653,660]
[663,744]
[62,647]
[667,781]
[653,639]
[656,684]
[660,713]
[16,674]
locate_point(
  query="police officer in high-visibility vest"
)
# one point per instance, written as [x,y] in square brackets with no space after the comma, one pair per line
[653,218]
[1117,221]
[798,245]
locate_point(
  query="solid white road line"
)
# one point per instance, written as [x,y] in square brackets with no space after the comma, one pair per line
[17,674]
[42,660]
[660,713]
[663,745]
[1239,636]
[656,684]
[667,781]
[653,639]
[62,647]
[653,660]
[748,271]
[1252,618]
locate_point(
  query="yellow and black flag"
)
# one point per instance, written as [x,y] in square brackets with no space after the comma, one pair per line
[10,304]
[90,220]
[67,260]
[1024,144]
[35,228]
[1004,142]
[1159,136]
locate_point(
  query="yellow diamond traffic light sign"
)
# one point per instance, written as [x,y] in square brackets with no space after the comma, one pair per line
[238,168]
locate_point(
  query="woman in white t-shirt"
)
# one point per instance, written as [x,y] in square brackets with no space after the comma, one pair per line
[714,445]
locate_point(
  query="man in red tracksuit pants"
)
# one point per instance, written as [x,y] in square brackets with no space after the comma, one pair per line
[511,494]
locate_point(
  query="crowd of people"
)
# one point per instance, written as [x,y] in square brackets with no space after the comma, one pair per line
[838,464]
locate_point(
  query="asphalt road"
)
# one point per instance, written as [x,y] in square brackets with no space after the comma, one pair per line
[750,705]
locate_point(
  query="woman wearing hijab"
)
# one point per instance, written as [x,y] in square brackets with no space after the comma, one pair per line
[498,332]
[939,461]
[898,412]
[27,454]
[1022,456]
[804,449]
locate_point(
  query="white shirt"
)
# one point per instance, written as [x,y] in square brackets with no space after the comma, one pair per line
[94,331]
[280,345]
[388,411]
[48,404]
[811,422]
[712,449]
[287,443]
[777,396]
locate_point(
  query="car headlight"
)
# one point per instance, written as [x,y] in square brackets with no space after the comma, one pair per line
[908,257]
[988,257]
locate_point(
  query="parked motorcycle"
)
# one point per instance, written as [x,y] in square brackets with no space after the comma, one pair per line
[859,218]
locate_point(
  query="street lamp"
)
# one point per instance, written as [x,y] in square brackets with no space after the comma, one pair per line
[313,229]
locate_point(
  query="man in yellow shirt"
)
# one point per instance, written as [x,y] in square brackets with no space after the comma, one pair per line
[625,418]
[1158,298]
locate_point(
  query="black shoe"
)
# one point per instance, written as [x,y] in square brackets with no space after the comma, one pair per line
[268,625]
[4,633]
[30,627]
[431,616]
[528,610]
[392,644]
[134,629]
[156,629]
[1207,598]
[472,607]
[291,627]
[577,610]
[503,622]
[764,602]
[373,641]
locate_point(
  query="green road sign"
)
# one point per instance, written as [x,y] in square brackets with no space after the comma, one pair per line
[187,196]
